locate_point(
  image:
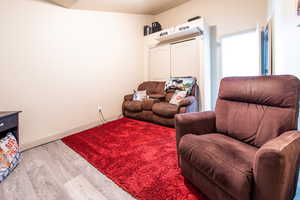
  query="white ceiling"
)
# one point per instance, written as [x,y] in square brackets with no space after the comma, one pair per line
[150,7]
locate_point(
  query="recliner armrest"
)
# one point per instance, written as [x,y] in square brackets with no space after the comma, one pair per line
[276,167]
[194,123]
[128,97]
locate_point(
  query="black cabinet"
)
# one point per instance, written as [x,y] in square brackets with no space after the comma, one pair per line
[9,122]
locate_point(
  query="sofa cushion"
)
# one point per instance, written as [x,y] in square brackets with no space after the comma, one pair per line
[148,104]
[133,106]
[178,97]
[157,96]
[153,87]
[225,161]
[165,109]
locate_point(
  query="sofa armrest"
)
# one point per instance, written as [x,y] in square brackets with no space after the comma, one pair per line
[187,101]
[194,123]
[276,167]
[190,103]
[128,97]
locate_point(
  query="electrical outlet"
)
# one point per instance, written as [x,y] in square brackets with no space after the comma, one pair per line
[100,108]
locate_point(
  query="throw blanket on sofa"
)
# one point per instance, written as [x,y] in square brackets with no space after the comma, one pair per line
[181,83]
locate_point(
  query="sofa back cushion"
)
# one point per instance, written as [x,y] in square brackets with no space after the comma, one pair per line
[195,93]
[152,87]
[257,109]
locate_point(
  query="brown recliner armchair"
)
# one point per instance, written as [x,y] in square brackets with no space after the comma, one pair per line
[248,149]
[156,108]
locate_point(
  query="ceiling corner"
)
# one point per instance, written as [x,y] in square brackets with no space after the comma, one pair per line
[64,3]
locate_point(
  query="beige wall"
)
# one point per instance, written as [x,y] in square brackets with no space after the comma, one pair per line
[230,16]
[286,37]
[57,65]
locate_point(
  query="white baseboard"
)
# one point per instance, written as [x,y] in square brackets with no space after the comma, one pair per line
[59,136]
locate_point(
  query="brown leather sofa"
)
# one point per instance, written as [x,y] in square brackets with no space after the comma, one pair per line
[156,108]
[248,149]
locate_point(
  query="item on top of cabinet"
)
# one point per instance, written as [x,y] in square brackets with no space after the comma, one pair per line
[147,30]
[156,27]
[194,18]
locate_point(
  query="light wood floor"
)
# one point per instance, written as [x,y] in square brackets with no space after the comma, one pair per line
[55,172]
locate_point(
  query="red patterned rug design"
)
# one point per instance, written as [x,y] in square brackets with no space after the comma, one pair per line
[138,156]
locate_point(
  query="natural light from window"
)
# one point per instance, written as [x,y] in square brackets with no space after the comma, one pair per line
[241,55]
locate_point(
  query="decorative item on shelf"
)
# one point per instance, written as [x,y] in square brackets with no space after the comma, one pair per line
[194,18]
[147,30]
[156,27]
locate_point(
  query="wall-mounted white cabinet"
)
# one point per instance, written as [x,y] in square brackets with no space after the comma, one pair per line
[180,59]
[188,56]
[184,59]
[159,63]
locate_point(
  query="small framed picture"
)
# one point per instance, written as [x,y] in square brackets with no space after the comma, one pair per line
[298,7]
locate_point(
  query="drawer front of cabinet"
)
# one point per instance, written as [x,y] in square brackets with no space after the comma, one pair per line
[8,122]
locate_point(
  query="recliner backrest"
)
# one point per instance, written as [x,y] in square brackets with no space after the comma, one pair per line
[255,110]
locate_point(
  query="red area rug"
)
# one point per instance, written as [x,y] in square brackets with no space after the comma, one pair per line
[138,156]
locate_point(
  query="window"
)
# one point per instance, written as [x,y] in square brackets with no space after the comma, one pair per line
[241,54]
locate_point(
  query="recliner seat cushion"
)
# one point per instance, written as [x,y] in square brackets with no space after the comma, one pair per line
[165,109]
[225,161]
[133,106]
